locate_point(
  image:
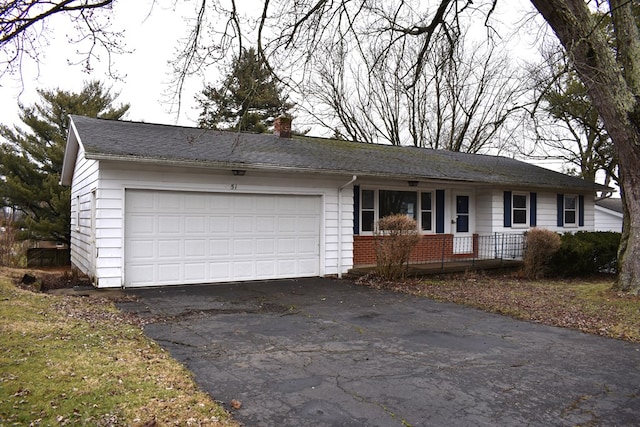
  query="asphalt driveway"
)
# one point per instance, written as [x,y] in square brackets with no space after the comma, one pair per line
[321,352]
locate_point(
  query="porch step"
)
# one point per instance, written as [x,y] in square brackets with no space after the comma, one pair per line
[429,269]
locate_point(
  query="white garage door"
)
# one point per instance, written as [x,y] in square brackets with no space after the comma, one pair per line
[183,237]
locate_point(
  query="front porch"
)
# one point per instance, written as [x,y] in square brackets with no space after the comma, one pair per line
[447,253]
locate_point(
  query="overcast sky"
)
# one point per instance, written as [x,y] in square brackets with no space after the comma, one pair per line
[153,35]
[152,38]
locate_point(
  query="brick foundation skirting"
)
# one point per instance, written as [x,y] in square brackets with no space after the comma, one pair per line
[432,247]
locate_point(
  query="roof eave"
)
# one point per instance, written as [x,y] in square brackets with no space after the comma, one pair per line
[296,169]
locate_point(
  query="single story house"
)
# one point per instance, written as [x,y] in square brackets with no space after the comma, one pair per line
[608,214]
[160,205]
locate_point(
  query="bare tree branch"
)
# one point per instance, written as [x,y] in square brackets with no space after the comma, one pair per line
[24,29]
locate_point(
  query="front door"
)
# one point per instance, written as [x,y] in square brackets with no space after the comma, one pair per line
[463,238]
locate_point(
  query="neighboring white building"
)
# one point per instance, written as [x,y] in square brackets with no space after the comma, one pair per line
[159,205]
[608,215]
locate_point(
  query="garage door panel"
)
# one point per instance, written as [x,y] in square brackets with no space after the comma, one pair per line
[219,247]
[142,250]
[243,204]
[286,224]
[265,247]
[265,204]
[307,224]
[141,273]
[265,269]
[195,248]
[169,201]
[195,225]
[243,270]
[220,224]
[307,246]
[266,224]
[140,224]
[169,249]
[243,224]
[195,201]
[170,272]
[195,272]
[243,247]
[143,200]
[286,246]
[308,267]
[169,224]
[181,237]
[287,268]
[219,271]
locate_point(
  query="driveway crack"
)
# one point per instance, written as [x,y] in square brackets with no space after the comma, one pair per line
[362,399]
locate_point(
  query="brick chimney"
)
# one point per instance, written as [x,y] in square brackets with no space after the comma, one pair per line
[282,126]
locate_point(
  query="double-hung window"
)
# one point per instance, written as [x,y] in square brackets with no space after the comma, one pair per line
[519,210]
[426,211]
[570,210]
[368,210]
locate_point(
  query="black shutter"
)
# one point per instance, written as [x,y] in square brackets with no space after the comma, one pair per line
[507,209]
[560,210]
[533,209]
[581,211]
[356,210]
[439,211]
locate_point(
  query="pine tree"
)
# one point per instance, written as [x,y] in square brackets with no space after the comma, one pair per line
[248,99]
[31,157]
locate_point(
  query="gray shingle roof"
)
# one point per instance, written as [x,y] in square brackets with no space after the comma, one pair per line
[614,204]
[134,141]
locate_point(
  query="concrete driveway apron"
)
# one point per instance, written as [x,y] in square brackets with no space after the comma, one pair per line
[321,352]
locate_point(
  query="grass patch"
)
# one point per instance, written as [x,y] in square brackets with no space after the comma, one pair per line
[79,361]
[588,305]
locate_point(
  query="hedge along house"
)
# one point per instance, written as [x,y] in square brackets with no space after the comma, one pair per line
[160,205]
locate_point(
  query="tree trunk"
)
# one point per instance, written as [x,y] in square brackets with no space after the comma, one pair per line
[613,88]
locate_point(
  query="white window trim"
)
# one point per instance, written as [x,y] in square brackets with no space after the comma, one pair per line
[576,211]
[513,208]
[432,210]
[77,216]
[375,211]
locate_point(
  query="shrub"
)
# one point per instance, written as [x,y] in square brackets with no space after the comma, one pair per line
[396,236]
[12,250]
[540,245]
[584,253]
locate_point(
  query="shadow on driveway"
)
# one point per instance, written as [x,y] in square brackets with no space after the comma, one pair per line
[321,352]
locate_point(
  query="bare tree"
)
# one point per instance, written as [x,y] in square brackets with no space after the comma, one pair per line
[465,98]
[25,26]
[461,101]
[287,32]
[613,84]
[567,124]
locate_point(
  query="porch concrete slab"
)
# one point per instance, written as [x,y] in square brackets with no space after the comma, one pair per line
[321,352]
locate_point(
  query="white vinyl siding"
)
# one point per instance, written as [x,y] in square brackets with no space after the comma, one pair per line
[490,212]
[85,177]
[607,220]
[117,178]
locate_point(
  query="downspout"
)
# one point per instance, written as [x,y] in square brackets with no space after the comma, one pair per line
[353,179]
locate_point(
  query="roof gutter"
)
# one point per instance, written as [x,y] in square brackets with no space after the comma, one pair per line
[268,167]
[342,187]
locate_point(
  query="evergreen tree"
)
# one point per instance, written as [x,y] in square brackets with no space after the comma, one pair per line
[31,157]
[248,99]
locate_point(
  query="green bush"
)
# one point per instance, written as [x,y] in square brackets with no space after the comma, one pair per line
[584,253]
[541,244]
[396,236]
